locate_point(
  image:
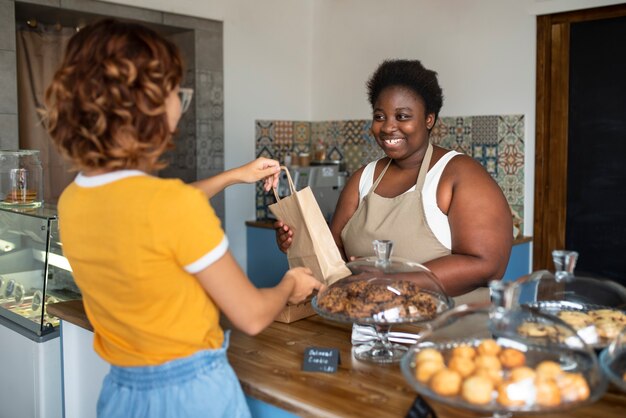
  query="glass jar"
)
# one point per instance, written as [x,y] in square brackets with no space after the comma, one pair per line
[481,358]
[21,178]
[382,292]
[594,307]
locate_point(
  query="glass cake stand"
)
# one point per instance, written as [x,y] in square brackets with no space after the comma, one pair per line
[381,292]
[594,307]
[474,357]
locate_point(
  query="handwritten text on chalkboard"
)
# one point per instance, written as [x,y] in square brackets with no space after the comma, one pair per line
[320,359]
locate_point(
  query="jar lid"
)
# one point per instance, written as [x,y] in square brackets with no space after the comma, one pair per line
[594,307]
[475,357]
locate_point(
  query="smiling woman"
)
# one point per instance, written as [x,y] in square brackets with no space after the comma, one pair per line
[439,207]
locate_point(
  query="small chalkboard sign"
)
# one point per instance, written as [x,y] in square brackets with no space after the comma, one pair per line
[320,359]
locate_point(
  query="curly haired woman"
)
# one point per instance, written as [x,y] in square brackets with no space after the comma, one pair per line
[149,254]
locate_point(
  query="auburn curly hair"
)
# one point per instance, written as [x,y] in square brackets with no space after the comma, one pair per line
[410,74]
[105,107]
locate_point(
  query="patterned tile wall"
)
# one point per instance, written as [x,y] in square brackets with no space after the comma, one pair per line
[497,142]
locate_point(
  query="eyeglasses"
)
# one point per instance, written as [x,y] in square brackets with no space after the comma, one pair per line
[185,95]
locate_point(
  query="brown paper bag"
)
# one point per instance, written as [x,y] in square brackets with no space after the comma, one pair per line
[313,245]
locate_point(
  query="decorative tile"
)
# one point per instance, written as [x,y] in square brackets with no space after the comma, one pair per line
[334,134]
[264,131]
[497,142]
[353,131]
[283,133]
[334,154]
[485,129]
[302,133]
[511,129]
[439,132]
[512,188]
[319,130]
[487,155]
[511,158]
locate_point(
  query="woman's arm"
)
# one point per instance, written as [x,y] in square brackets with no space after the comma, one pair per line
[248,308]
[480,225]
[261,168]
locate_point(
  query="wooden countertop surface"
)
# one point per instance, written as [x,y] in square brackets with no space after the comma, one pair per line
[269,369]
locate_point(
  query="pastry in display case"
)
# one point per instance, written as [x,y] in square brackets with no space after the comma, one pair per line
[474,358]
[594,307]
[383,291]
[613,361]
[33,271]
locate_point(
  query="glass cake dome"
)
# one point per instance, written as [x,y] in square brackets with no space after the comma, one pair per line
[383,291]
[478,357]
[613,361]
[594,307]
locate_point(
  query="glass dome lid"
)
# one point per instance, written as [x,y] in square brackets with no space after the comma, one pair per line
[476,357]
[384,290]
[595,308]
[613,361]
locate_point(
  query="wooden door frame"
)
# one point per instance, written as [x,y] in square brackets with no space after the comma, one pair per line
[551,130]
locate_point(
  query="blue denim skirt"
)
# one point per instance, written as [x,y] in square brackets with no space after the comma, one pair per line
[201,385]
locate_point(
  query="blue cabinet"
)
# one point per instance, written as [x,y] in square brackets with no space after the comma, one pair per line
[519,262]
[266,263]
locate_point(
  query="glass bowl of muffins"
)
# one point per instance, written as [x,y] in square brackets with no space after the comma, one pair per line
[594,307]
[613,361]
[383,291]
[474,358]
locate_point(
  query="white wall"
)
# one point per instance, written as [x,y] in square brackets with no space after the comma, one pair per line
[309,60]
[484,52]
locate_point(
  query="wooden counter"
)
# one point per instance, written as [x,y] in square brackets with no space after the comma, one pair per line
[269,369]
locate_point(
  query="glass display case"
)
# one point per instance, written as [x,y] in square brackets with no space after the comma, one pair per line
[33,271]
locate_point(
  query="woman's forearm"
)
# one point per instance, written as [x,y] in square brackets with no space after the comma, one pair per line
[213,185]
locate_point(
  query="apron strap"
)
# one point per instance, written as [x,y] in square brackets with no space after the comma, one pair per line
[380,177]
[421,176]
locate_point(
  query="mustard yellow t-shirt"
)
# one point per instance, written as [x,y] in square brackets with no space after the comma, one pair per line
[134,242]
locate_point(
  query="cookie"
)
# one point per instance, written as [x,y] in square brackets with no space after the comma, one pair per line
[548,370]
[426,369]
[488,347]
[446,382]
[511,394]
[477,390]
[511,358]
[464,351]
[463,365]
[573,387]
[519,374]
[429,354]
[532,329]
[576,319]
[547,393]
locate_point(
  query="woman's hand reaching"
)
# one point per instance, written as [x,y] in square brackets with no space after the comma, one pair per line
[304,283]
[260,169]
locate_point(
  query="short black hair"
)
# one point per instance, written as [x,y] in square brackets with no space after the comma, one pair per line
[411,74]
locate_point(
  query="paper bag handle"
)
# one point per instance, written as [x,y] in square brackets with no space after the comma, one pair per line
[292,188]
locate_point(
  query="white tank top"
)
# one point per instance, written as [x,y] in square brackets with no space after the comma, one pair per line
[437,220]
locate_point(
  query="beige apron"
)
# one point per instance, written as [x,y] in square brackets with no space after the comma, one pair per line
[402,220]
